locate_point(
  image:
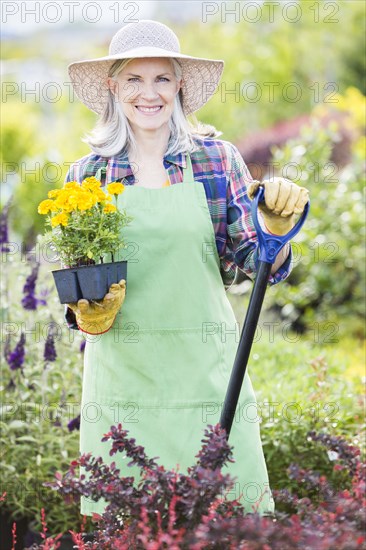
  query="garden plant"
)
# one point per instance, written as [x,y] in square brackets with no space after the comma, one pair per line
[40,394]
[168,509]
[86,225]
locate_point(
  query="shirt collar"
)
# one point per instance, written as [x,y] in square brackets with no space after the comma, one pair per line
[120,167]
[178,158]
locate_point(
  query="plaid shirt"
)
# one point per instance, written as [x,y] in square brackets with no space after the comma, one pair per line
[224,175]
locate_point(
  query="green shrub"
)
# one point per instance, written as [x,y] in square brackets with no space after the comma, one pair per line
[328,282]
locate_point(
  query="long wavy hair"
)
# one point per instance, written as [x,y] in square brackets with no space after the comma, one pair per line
[113,134]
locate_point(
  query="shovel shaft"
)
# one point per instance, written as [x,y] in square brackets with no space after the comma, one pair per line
[244,347]
[269,246]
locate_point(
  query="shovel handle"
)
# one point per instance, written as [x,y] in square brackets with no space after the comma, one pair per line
[270,245]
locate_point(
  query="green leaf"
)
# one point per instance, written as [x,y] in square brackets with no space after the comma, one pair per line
[27,439]
[8,467]
[16,425]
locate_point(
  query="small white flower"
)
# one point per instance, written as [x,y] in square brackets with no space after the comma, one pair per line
[332,455]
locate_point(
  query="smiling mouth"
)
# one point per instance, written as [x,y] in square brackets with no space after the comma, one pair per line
[149,110]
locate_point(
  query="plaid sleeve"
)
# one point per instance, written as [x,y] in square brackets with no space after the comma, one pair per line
[242,243]
[70,174]
[75,171]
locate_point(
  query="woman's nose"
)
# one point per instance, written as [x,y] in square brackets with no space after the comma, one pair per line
[148,90]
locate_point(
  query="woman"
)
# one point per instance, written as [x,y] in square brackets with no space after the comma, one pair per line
[162,350]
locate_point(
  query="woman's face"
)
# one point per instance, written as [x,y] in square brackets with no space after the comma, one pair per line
[146,89]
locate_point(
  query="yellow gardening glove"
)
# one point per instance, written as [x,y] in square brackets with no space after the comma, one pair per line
[283,199]
[98,317]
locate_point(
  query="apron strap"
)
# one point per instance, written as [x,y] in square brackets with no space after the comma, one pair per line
[101,174]
[188,175]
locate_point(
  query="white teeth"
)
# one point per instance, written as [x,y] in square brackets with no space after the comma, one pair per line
[148,109]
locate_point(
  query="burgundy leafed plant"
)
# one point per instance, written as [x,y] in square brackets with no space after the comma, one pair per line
[168,509]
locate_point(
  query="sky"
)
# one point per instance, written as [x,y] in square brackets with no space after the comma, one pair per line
[25,17]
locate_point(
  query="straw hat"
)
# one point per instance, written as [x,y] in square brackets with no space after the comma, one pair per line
[146,38]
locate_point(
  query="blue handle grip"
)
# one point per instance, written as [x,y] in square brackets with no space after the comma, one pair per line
[270,245]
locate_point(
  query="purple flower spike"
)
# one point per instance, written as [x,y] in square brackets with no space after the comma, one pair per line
[49,348]
[44,293]
[74,424]
[4,234]
[16,358]
[82,346]
[29,300]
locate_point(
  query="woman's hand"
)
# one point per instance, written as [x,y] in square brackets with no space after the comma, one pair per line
[283,199]
[98,317]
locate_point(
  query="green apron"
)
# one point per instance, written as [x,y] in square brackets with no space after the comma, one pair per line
[163,369]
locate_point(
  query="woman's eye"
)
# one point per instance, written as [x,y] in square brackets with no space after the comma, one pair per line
[137,79]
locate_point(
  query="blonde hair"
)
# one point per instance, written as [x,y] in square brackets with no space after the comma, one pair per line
[113,134]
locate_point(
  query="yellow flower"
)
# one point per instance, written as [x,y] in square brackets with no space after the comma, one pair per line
[91,184]
[46,206]
[85,201]
[109,208]
[71,185]
[101,196]
[63,201]
[353,102]
[60,219]
[115,188]
[53,193]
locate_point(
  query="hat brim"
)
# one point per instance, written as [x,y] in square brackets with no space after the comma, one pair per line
[200,77]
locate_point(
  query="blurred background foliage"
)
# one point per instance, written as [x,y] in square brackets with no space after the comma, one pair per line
[328,283]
